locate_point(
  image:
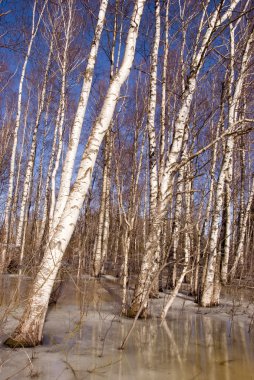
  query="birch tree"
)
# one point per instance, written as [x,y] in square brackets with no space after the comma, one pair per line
[29,330]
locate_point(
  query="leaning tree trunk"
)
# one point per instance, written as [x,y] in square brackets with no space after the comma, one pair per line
[29,330]
[79,118]
[63,63]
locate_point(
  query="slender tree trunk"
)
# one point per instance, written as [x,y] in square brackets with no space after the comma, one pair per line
[207,295]
[105,236]
[30,164]
[79,118]
[131,214]
[103,227]
[164,95]
[151,115]
[240,247]
[228,234]
[45,207]
[98,257]
[154,179]
[176,227]
[16,194]
[60,117]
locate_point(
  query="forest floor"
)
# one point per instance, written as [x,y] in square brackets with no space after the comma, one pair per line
[84,330]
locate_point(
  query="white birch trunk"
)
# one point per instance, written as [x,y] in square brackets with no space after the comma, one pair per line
[60,117]
[163,96]
[101,241]
[151,115]
[207,295]
[232,106]
[45,207]
[240,247]
[16,194]
[39,196]
[30,164]
[208,214]
[187,248]
[105,237]
[228,232]
[98,259]
[177,225]
[242,193]
[79,118]
[153,177]
[56,164]
[131,215]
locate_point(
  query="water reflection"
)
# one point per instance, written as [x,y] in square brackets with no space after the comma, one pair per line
[83,332]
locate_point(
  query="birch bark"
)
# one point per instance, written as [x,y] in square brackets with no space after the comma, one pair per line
[164,94]
[98,257]
[151,115]
[16,195]
[79,118]
[103,227]
[61,111]
[153,177]
[240,247]
[30,164]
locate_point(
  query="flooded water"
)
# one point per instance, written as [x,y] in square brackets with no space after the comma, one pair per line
[83,333]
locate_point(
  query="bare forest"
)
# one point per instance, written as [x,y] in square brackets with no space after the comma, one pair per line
[126,176]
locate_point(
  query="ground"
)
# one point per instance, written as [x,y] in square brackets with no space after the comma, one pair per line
[84,330]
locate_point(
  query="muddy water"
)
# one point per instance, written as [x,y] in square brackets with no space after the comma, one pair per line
[83,332]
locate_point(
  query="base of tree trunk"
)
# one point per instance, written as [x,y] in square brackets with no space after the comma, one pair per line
[133,311]
[96,275]
[154,295]
[20,342]
[210,304]
[29,332]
